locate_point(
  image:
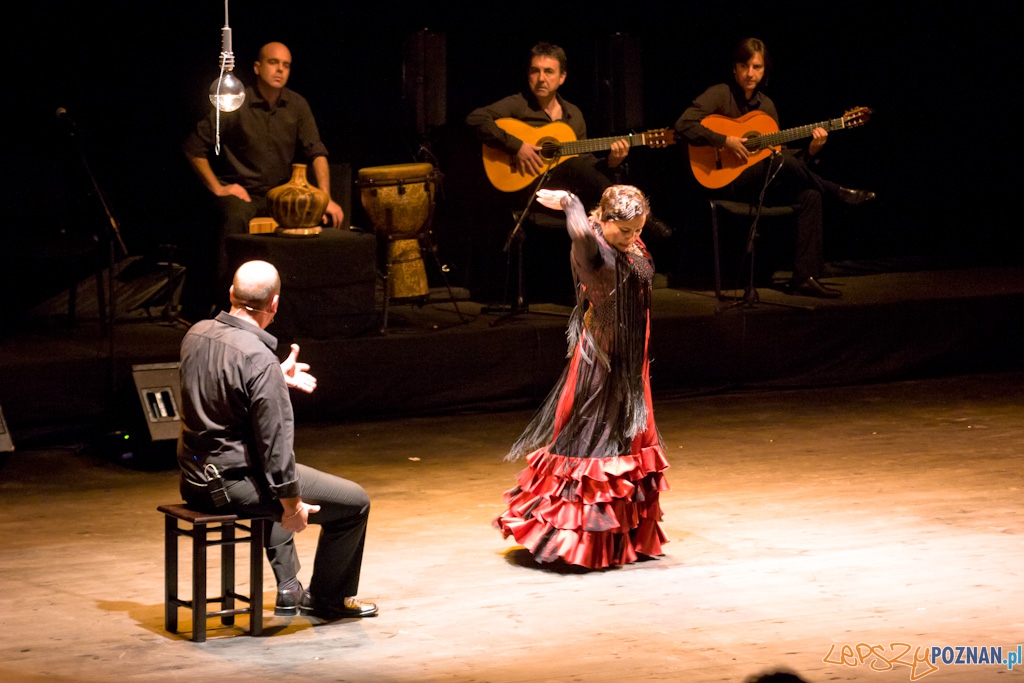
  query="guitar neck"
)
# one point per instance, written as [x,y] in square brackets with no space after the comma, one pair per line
[599,144]
[783,136]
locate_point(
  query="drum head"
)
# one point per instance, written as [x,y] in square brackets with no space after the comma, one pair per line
[390,175]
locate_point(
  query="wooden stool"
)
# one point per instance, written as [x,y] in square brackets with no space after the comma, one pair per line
[200,530]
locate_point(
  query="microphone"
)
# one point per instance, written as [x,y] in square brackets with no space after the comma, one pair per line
[63,115]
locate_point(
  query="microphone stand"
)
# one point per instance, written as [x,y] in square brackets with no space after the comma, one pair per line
[518,236]
[750,297]
[113,233]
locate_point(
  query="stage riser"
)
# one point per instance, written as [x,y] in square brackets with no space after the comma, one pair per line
[514,365]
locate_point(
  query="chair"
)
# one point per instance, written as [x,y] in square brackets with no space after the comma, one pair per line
[202,525]
[741,209]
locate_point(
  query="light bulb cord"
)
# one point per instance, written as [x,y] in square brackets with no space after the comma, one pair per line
[220,81]
[227,64]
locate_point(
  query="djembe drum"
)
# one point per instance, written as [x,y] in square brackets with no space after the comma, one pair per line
[399,200]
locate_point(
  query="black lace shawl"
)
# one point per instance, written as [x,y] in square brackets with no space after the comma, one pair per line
[609,325]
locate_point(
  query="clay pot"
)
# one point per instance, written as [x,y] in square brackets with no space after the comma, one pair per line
[297,206]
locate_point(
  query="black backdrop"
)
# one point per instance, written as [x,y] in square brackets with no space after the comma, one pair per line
[134,75]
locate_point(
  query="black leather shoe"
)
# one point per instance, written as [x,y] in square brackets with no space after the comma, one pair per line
[290,603]
[349,608]
[811,287]
[854,197]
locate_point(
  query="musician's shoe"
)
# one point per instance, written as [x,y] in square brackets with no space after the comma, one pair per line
[290,602]
[811,287]
[854,197]
[349,608]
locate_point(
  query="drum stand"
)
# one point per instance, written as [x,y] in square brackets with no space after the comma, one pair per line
[399,199]
[518,236]
[423,236]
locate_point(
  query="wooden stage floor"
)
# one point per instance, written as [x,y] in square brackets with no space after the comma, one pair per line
[801,523]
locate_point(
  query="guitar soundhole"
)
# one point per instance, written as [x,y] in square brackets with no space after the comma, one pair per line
[752,144]
[548,148]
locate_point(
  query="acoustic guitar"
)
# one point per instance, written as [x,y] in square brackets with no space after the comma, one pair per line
[713,169]
[557,142]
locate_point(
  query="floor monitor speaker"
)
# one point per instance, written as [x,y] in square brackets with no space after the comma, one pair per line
[6,444]
[160,394]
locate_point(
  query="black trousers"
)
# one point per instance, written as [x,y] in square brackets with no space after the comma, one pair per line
[343,515]
[792,183]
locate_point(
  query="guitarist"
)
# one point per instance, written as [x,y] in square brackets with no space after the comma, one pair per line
[541,104]
[795,182]
[586,175]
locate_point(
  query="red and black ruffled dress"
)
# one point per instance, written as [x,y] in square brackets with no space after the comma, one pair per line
[589,493]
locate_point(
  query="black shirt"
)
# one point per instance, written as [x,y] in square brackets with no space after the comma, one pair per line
[236,411]
[522,106]
[724,99]
[258,142]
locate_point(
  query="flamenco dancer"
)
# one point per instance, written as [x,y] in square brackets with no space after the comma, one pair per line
[589,494]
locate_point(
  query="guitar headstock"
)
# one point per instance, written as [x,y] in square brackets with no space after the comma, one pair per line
[857,116]
[663,137]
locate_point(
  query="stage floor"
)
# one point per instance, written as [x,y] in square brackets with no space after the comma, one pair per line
[805,526]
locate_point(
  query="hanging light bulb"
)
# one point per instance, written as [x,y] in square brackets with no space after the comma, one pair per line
[227,92]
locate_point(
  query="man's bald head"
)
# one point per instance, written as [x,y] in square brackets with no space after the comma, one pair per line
[273,48]
[255,285]
[274,65]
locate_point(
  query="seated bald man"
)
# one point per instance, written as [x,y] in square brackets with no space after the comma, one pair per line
[238,429]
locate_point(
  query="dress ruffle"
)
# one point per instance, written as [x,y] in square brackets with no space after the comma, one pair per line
[592,512]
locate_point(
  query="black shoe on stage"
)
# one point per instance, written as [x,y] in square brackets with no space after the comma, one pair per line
[349,608]
[290,603]
[811,287]
[854,197]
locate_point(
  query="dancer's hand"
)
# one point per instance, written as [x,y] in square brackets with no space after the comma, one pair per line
[552,198]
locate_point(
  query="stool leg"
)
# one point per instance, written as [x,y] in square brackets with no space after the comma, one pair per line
[227,571]
[170,574]
[199,583]
[257,534]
